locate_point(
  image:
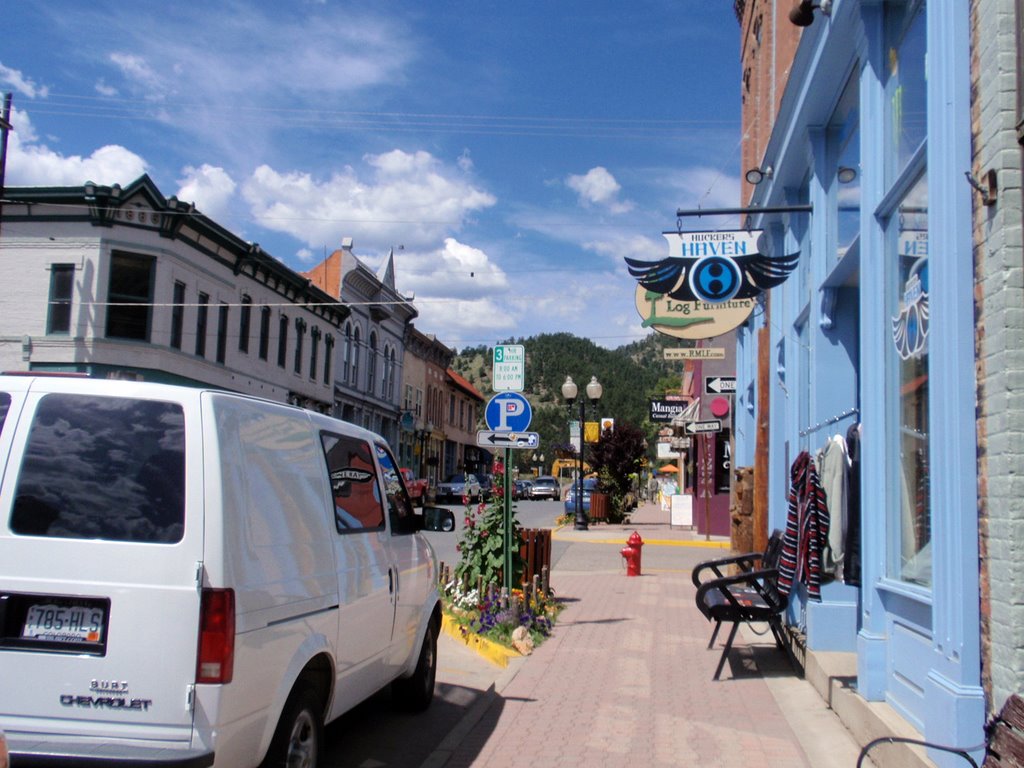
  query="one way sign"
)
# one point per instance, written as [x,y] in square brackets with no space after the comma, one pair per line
[719,385]
[697,427]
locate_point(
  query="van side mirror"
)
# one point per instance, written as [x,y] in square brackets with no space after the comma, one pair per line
[438,519]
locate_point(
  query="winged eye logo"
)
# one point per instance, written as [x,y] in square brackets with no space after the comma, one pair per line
[713,278]
[910,325]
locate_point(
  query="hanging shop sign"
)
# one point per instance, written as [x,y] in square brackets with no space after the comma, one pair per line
[709,284]
[666,410]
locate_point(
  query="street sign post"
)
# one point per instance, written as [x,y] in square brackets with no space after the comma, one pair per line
[508,370]
[719,385]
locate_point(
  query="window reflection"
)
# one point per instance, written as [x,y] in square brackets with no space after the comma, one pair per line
[103,468]
[907,82]
[910,325]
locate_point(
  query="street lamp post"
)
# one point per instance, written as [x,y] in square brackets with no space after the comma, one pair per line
[569,392]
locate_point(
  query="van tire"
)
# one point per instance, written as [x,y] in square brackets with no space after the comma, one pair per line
[299,738]
[414,693]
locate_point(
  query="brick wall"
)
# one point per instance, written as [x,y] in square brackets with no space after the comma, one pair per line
[999,340]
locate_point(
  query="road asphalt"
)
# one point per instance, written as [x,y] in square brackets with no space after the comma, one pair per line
[626,678]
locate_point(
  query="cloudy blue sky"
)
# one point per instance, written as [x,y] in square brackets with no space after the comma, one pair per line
[510,153]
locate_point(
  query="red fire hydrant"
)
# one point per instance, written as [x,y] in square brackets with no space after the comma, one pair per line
[631,554]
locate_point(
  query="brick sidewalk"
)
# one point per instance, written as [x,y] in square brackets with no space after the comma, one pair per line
[626,680]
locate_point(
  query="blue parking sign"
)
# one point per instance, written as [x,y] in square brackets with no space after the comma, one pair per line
[508,412]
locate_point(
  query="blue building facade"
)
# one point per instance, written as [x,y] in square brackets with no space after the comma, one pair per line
[872,347]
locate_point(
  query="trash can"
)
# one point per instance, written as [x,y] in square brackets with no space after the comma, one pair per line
[598,507]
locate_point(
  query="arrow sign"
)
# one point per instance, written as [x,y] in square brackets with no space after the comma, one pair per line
[697,427]
[720,385]
[508,439]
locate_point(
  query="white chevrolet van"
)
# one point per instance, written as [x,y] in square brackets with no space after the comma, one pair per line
[191,577]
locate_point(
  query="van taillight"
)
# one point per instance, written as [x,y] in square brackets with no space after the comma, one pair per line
[216,636]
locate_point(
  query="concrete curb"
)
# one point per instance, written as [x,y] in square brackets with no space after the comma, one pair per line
[495,653]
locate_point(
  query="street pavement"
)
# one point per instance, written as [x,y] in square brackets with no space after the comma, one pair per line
[626,678]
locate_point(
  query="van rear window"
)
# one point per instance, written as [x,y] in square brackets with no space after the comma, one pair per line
[103,468]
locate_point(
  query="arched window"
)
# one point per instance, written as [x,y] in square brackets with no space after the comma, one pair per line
[346,354]
[356,341]
[392,368]
[371,364]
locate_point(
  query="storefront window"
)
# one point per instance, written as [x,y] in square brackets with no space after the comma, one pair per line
[906,84]
[908,303]
[844,136]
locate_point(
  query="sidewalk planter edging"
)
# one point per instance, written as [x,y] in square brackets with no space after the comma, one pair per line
[495,653]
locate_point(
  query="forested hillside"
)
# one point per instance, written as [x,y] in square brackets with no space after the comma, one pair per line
[630,376]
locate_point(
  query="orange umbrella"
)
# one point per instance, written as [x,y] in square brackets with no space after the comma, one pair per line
[669,468]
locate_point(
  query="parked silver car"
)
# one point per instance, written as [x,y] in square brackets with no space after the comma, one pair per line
[546,487]
[456,486]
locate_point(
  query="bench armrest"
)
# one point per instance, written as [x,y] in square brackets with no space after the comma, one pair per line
[746,562]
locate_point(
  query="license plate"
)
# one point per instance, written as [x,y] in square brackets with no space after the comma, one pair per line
[64,623]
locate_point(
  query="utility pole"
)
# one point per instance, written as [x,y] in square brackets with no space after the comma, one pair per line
[5,126]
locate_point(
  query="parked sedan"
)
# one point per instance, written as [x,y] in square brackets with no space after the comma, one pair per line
[521,489]
[545,487]
[456,486]
[589,486]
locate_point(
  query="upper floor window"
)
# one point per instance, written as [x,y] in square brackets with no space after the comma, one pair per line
[264,333]
[389,378]
[346,354]
[244,323]
[356,341]
[202,315]
[314,351]
[282,341]
[300,335]
[328,357]
[130,293]
[371,364]
[177,314]
[222,334]
[62,286]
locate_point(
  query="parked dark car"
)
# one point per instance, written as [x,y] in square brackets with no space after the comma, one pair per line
[521,489]
[486,487]
[589,486]
[545,487]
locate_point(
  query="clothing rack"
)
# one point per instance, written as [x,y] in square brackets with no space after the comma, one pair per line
[830,420]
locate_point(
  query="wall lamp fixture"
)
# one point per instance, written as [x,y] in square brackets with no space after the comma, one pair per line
[846,174]
[756,175]
[802,15]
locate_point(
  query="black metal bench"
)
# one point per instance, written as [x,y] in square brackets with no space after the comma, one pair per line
[752,595]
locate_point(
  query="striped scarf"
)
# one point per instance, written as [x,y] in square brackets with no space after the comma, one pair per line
[806,534]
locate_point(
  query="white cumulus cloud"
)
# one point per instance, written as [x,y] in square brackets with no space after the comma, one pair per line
[398,197]
[599,187]
[31,163]
[211,188]
[19,82]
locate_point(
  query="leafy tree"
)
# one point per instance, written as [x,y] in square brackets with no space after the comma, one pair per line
[617,458]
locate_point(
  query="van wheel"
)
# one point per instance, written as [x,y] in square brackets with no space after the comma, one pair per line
[298,740]
[414,694]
